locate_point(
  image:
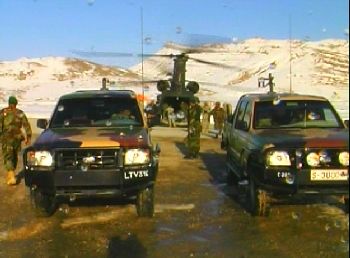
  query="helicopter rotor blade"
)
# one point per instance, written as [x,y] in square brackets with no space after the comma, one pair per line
[137,82]
[112,54]
[101,54]
[212,63]
[156,55]
[189,57]
[210,84]
[190,49]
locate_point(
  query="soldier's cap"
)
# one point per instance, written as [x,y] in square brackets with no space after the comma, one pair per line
[13,100]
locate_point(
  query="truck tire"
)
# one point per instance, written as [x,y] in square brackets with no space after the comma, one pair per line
[145,202]
[231,178]
[44,204]
[257,200]
[346,204]
[223,143]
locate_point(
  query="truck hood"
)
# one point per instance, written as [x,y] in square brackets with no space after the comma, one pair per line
[93,138]
[310,138]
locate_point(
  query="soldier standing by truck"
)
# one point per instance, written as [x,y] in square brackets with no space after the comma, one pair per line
[219,117]
[206,118]
[151,111]
[12,120]
[194,129]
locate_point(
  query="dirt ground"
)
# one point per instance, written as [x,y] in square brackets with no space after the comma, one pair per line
[197,215]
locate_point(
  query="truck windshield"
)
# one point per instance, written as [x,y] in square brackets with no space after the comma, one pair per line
[96,112]
[295,114]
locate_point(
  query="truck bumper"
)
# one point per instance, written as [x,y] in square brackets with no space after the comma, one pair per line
[101,183]
[294,182]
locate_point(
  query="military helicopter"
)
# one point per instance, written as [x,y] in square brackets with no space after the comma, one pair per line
[178,91]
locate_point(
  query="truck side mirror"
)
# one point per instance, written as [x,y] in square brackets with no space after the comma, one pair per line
[242,125]
[156,149]
[41,123]
[346,122]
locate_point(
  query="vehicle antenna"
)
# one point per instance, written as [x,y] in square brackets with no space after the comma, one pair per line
[142,79]
[290,53]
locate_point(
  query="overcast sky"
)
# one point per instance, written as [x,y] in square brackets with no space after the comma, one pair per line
[37,28]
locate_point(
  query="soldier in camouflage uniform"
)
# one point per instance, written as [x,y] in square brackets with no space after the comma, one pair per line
[219,117]
[12,120]
[206,117]
[194,129]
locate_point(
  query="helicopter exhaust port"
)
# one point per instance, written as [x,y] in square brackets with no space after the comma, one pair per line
[162,85]
[193,86]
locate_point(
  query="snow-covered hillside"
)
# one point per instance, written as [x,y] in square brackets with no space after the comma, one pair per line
[319,68]
[39,82]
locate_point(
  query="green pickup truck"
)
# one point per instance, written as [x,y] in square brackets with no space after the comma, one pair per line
[282,145]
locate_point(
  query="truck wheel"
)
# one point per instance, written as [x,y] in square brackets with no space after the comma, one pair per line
[223,143]
[44,204]
[145,202]
[231,178]
[346,204]
[257,200]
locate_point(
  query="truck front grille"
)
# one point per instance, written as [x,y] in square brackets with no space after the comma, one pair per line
[91,159]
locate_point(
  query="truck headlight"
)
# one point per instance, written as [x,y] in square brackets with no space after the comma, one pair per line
[278,158]
[313,159]
[344,158]
[39,158]
[137,156]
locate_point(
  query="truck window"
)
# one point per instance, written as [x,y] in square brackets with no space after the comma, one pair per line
[97,112]
[240,115]
[247,115]
[295,114]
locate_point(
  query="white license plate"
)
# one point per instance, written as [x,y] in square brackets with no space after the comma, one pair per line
[329,175]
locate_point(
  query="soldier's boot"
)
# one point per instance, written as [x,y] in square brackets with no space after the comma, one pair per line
[11,179]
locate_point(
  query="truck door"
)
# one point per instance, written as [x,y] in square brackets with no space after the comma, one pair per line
[239,137]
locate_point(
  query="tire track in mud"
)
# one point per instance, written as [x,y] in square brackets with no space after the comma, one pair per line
[26,231]
[34,228]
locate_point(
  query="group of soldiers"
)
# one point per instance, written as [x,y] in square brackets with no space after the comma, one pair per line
[198,121]
[196,126]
